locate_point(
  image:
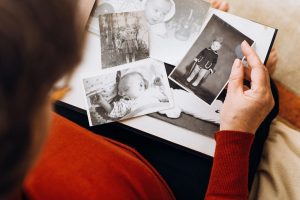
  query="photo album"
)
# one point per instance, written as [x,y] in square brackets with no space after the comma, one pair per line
[162,66]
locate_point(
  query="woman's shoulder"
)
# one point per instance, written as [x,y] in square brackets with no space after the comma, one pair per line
[78,164]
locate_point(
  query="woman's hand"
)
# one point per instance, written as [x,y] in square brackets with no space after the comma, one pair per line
[245,108]
[220,5]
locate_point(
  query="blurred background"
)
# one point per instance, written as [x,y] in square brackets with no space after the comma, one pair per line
[285,16]
[278,174]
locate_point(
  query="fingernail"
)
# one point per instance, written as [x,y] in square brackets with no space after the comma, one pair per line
[245,43]
[237,63]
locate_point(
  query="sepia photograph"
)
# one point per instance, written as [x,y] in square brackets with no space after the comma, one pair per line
[124,38]
[206,68]
[127,91]
[103,7]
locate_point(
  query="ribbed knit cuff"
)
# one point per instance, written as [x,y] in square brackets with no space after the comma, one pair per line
[229,176]
[228,136]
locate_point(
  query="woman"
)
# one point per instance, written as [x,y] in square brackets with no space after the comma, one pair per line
[41,43]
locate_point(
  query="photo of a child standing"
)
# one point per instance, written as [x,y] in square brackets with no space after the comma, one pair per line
[124,38]
[206,67]
[204,63]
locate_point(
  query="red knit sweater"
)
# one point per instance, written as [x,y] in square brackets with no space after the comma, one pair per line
[77,164]
[229,176]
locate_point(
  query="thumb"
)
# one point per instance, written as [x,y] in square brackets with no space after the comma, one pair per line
[236,77]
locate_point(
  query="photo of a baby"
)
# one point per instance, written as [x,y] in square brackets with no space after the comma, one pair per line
[158,13]
[124,38]
[127,91]
[206,68]
[177,27]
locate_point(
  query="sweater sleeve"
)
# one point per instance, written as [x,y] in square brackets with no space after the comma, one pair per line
[229,176]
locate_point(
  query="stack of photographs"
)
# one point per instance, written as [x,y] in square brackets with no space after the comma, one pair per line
[139,51]
[174,25]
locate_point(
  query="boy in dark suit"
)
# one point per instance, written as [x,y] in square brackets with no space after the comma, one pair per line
[204,63]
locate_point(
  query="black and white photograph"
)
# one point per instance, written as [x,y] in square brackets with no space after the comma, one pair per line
[176,28]
[127,91]
[173,24]
[103,7]
[206,68]
[124,38]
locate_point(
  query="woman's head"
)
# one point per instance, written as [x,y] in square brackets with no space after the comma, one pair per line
[132,85]
[40,43]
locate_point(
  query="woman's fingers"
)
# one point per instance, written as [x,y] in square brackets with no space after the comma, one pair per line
[259,74]
[220,4]
[215,3]
[245,108]
[236,77]
[224,6]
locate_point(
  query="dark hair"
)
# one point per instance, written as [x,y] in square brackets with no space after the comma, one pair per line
[39,43]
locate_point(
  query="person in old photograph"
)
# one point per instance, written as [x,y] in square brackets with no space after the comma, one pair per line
[129,44]
[124,38]
[205,69]
[142,88]
[157,12]
[132,91]
[204,63]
